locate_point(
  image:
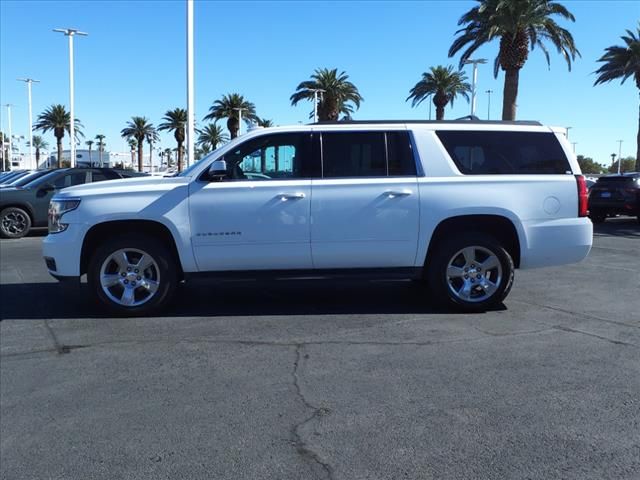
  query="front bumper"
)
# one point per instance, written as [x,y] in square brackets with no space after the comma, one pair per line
[62,251]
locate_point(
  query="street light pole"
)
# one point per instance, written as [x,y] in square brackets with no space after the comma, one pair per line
[489,92]
[29,81]
[191,116]
[574,146]
[567,129]
[239,110]
[71,32]
[8,105]
[474,80]
[315,102]
[619,155]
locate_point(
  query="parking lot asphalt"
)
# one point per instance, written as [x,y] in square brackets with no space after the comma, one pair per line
[326,379]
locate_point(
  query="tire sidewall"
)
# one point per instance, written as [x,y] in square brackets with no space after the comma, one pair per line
[437,268]
[8,210]
[163,258]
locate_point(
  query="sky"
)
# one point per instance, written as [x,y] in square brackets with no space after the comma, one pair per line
[134,62]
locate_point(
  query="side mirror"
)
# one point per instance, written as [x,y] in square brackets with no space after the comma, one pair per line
[218,170]
[45,189]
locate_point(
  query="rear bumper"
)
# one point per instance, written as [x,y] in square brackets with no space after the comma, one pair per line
[612,208]
[556,242]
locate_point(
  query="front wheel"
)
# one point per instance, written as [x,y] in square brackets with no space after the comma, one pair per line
[471,273]
[132,275]
[14,222]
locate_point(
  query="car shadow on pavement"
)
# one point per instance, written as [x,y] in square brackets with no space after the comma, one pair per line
[202,298]
[618,227]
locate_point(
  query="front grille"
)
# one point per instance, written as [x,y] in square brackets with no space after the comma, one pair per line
[51,263]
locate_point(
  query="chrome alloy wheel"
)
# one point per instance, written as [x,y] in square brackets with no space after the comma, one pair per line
[14,223]
[474,274]
[129,277]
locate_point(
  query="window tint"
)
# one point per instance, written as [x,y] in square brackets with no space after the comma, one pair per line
[103,175]
[70,180]
[481,153]
[400,154]
[272,157]
[353,154]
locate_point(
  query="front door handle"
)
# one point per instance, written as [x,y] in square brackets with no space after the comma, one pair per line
[398,193]
[291,196]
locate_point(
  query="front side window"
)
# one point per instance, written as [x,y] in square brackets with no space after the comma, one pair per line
[487,153]
[70,179]
[272,157]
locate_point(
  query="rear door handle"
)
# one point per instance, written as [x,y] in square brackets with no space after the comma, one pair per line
[291,196]
[398,193]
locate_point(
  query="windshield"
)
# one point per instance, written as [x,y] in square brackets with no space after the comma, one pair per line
[29,178]
[40,180]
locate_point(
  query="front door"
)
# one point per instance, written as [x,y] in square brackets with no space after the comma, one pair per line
[257,218]
[365,209]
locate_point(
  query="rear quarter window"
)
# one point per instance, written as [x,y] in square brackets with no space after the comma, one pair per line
[506,153]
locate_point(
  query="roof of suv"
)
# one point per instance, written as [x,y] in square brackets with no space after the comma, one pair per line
[431,122]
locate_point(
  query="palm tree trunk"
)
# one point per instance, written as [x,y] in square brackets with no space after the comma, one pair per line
[180,155]
[510,96]
[150,157]
[439,113]
[90,158]
[140,153]
[100,154]
[37,158]
[637,169]
[59,145]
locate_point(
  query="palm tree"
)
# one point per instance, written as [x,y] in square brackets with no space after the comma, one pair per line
[520,25]
[339,94]
[101,144]
[176,121]
[57,118]
[133,144]
[211,136]
[140,129]
[167,155]
[39,144]
[264,122]
[228,107]
[152,138]
[622,62]
[90,143]
[444,84]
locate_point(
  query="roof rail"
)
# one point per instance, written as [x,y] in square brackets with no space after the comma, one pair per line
[464,120]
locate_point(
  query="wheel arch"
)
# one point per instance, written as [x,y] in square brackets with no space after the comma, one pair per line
[500,227]
[23,206]
[100,232]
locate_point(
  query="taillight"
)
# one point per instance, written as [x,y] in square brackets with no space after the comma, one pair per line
[583,197]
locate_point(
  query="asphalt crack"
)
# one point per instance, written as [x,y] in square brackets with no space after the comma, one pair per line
[301,446]
[594,335]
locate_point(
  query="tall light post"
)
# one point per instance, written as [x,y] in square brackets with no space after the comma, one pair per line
[191,116]
[71,32]
[474,80]
[574,146]
[489,92]
[239,110]
[567,129]
[8,105]
[619,155]
[30,81]
[315,102]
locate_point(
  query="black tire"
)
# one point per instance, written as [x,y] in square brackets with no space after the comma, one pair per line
[597,217]
[165,264]
[14,223]
[447,250]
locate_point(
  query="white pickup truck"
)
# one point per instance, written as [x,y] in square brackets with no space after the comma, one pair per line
[458,204]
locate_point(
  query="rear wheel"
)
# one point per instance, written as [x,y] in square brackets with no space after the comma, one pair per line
[14,223]
[471,273]
[132,275]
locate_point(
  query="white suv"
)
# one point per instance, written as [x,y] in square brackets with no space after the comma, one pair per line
[459,204]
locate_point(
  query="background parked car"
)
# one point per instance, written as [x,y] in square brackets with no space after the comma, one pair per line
[26,206]
[615,195]
[7,177]
[22,180]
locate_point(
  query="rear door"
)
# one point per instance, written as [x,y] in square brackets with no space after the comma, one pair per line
[365,208]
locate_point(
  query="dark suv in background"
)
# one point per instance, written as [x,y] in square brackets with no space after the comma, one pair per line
[615,195]
[26,206]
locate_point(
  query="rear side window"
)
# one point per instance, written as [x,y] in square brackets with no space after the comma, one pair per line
[367,154]
[490,153]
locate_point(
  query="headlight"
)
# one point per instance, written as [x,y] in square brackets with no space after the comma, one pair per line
[57,208]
